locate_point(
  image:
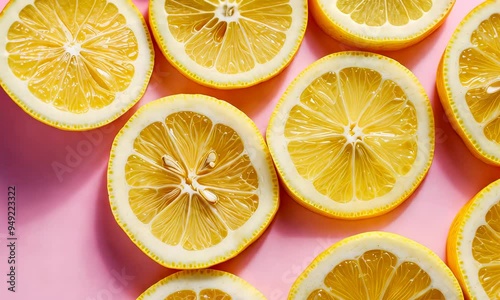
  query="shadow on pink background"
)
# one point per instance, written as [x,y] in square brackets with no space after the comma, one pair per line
[70,247]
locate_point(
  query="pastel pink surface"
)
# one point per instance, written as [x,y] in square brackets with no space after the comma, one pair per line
[70,247]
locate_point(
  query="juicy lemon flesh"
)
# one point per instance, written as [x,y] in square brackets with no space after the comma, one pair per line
[76,54]
[380,12]
[377,274]
[230,36]
[206,294]
[486,251]
[479,69]
[352,134]
[191,181]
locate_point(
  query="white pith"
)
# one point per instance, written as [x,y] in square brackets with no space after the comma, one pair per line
[475,217]
[199,280]
[455,90]
[73,48]
[212,75]
[387,31]
[218,112]
[222,11]
[278,142]
[351,248]
[94,117]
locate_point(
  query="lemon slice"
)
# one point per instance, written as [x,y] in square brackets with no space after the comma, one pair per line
[376,265]
[229,44]
[380,25]
[473,245]
[353,135]
[468,81]
[75,65]
[191,181]
[203,285]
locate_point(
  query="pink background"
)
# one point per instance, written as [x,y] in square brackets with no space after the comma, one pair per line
[70,247]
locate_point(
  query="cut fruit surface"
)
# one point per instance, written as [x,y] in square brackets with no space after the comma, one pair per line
[468,82]
[473,246]
[380,25]
[191,181]
[202,285]
[75,65]
[376,265]
[353,135]
[229,44]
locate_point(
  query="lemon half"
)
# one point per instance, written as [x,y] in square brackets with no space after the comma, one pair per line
[353,135]
[191,181]
[229,44]
[468,81]
[380,25]
[75,65]
[203,285]
[473,245]
[376,265]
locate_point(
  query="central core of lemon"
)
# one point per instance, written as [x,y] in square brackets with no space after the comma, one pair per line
[73,48]
[190,183]
[353,133]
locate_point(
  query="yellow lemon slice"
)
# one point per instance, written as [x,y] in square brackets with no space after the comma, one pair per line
[380,25]
[468,81]
[191,181]
[473,245]
[202,285]
[75,65]
[229,44]
[353,135]
[376,265]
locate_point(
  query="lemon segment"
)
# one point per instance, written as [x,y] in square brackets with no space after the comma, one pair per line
[229,44]
[473,244]
[468,83]
[380,25]
[376,265]
[74,65]
[202,284]
[353,135]
[191,181]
